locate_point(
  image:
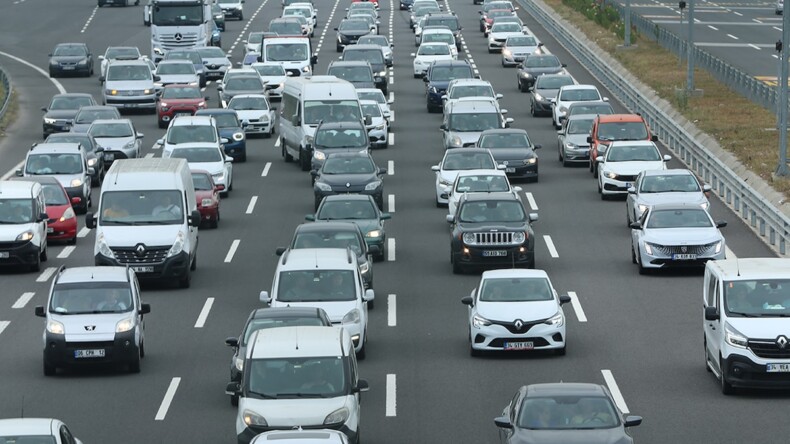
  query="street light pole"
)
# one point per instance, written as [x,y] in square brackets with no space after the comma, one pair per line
[627,41]
[690,49]
[781,169]
[682,6]
[778,84]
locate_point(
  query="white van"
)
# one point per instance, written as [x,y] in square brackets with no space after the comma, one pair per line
[306,102]
[23,224]
[294,53]
[148,219]
[299,377]
[747,322]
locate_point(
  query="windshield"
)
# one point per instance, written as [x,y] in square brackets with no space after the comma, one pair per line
[244,84]
[181,92]
[364,55]
[278,321]
[316,286]
[376,96]
[286,52]
[129,72]
[526,40]
[567,412]
[434,50]
[552,82]
[686,218]
[210,52]
[111,130]
[473,121]
[354,25]
[639,153]
[622,131]
[516,290]
[442,37]
[379,40]
[202,181]
[456,92]
[344,138]
[93,298]
[459,160]
[88,116]
[191,133]
[505,140]
[121,53]
[323,377]
[542,61]
[447,73]
[286,27]
[177,15]
[354,210]
[506,27]
[758,297]
[331,111]
[348,165]
[352,73]
[69,103]
[337,239]
[226,120]
[580,126]
[481,184]
[298,11]
[70,51]
[54,195]
[269,70]
[579,95]
[492,211]
[196,155]
[499,13]
[53,163]
[175,68]
[255,37]
[673,183]
[451,23]
[16,211]
[146,207]
[371,110]
[248,103]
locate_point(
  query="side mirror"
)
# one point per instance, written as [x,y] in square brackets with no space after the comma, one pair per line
[336,28]
[711,314]
[498,96]
[90,220]
[589,139]
[560,132]
[368,120]
[362,386]
[313,61]
[667,158]
[194,219]
[233,388]
[264,297]
[101,57]
[40,311]
[160,141]
[280,250]
[509,120]
[206,98]
[599,159]
[632,421]
[139,135]
[219,87]
[503,422]
[232,342]
[369,295]
[42,217]
[631,190]
[721,224]
[414,55]
[145,309]
[533,217]
[228,159]
[19,172]
[91,171]
[443,127]
[289,73]
[385,216]
[435,168]
[553,100]
[44,108]
[605,99]
[654,138]
[503,111]
[565,299]
[224,140]
[635,225]
[450,219]
[309,217]
[314,173]
[467,300]
[706,188]
[382,171]
[517,189]
[102,79]
[425,78]
[537,147]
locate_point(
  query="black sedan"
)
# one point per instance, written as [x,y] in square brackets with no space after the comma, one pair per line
[349,31]
[544,89]
[535,65]
[59,114]
[513,148]
[93,152]
[71,58]
[564,413]
[345,173]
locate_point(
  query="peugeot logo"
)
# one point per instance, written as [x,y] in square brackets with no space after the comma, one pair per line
[90,327]
[178,36]
[140,250]
[519,323]
[781,341]
[504,162]
[348,185]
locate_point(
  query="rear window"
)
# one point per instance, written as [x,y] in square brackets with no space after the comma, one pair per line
[450,22]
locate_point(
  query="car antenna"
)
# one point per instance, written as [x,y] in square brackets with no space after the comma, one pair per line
[296,337]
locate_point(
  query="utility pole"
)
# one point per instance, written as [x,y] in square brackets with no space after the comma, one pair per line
[690,49]
[778,83]
[627,41]
[781,169]
[682,6]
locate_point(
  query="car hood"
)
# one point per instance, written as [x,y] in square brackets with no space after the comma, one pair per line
[217,61]
[695,197]
[293,412]
[63,114]
[578,139]
[227,132]
[760,328]
[510,311]
[522,49]
[248,114]
[204,194]
[114,143]
[65,179]
[439,84]
[129,85]
[354,33]
[211,167]
[69,59]
[55,211]
[129,236]
[542,70]
[80,127]
[602,436]
[512,153]
[548,93]
[682,236]
[632,168]
[182,102]
[364,225]
[336,180]
[178,78]
[427,59]
[9,232]
[492,226]
[466,136]
[102,326]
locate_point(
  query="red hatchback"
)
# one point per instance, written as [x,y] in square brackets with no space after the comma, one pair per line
[62,222]
[207,194]
[176,100]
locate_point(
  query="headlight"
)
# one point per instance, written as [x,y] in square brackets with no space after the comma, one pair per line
[124,325]
[238,137]
[610,175]
[352,317]
[306,68]
[433,90]
[264,118]
[648,249]
[338,416]
[148,91]
[68,214]
[373,233]
[319,155]
[104,249]
[206,202]
[531,161]
[201,104]
[24,237]
[322,186]
[570,145]
[373,185]
[92,161]
[83,62]
[557,320]
[383,73]
[444,182]
[76,182]
[456,142]
[479,321]
[705,205]
[253,419]
[508,53]
[469,238]
[538,97]
[49,121]
[734,337]
[55,327]
[717,247]
[520,237]
[239,363]
[364,268]
[111,92]
[218,177]
[178,245]
[380,127]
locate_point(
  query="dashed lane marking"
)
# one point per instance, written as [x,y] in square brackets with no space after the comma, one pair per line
[251,206]
[23,300]
[392,403]
[531,199]
[46,274]
[233,247]
[266,167]
[3,325]
[390,167]
[392,311]
[67,251]
[550,245]
[615,390]
[577,307]
[391,203]
[84,232]
[201,320]
[168,399]
[391,249]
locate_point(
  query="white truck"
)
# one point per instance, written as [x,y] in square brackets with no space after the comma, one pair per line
[179,24]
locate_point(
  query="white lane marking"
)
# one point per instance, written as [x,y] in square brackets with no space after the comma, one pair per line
[391,140]
[251,206]
[715,28]
[84,232]
[232,251]
[67,251]
[277,142]
[46,274]
[392,311]
[12,171]
[392,96]
[265,171]
[392,80]
[156,146]
[201,320]
[57,84]
[326,27]
[391,396]
[169,395]
[391,249]
[244,29]
[391,203]
[615,390]
[23,300]
[732,36]
[777,28]
[531,199]
[392,115]
[577,307]
[550,244]
[149,155]
[757,21]
[391,167]
[3,325]
[737,13]
[729,254]
[754,46]
[90,18]
[774,56]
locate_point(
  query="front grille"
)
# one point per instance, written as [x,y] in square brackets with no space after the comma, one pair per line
[494,238]
[536,342]
[169,41]
[624,178]
[767,348]
[68,63]
[88,345]
[511,327]
[468,145]
[129,100]
[669,250]
[12,245]
[152,255]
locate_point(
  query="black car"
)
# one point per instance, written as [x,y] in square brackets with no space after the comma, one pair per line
[93,152]
[374,56]
[71,58]
[59,114]
[338,137]
[349,31]
[491,229]
[360,74]
[269,318]
[535,65]
[361,210]
[544,89]
[512,148]
[87,114]
[448,20]
[563,413]
[344,173]
[405,4]
[437,79]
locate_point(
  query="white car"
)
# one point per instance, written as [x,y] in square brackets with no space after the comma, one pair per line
[463,88]
[378,128]
[253,42]
[303,9]
[273,75]
[478,181]
[428,53]
[455,161]
[314,436]
[35,430]
[440,35]
[377,96]
[500,32]
[515,310]
[188,129]
[118,137]
[306,24]
[256,111]
[518,47]
[311,7]
[569,94]
[622,163]
[207,157]
[118,53]
[654,187]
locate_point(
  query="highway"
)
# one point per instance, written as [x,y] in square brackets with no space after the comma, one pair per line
[641,335]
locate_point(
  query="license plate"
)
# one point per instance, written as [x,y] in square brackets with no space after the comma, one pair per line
[130,105]
[684,257]
[142,269]
[50,230]
[4,255]
[525,345]
[777,368]
[510,170]
[183,114]
[491,253]
[68,68]
[93,353]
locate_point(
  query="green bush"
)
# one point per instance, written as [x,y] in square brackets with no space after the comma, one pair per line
[604,15]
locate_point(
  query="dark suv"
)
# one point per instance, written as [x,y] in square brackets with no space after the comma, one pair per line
[337,137]
[491,229]
[374,56]
[360,74]
[437,79]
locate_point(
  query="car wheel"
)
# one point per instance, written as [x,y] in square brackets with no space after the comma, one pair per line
[339,48]
[561,351]
[193,266]
[457,268]
[49,370]
[134,366]
[521,87]
[241,17]
[475,353]
[504,65]
[595,171]
[234,400]
[142,348]
[304,161]
[362,351]
[565,163]
[726,387]
[186,280]
[371,304]
[162,125]
[72,241]
[633,255]
[532,109]
[215,222]
[43,255]
[642,270]
[707,361]
[286,156]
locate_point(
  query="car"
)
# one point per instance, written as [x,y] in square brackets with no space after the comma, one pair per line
[118,137]
[466,119]
[427,53]
[337,137]
[779,7]
[240,85]
[323,436]
[273,75]
[193,56]
[491,230]
[207,157]
[438,77]
[378,127]
[500,32]
[216,35]
[512,148]
[218,16]
[303,10]
[256,111]
[88,113]
[544,89]
[363,6]
[359,74]
[231,128]
[71,58]
[380,41]
[178,100]
[593,107]
[17,430]
[664,186]
[517,48]
[23,225]
[440,34]
[676,235]
[515,310]
[349,31]
[113,53]
[569,94]
[455,161]
[478,181]
[485,17]
[372,54]
[622,163]
[105,298]
[305,23]
[59,114]
[232,8]
[361,210]
[535,65]
[66,162]
[253,42]
[129,84]
[181,72]
[420,11]
[207,194]
[93,152]
[460,88]
[494,16]
[190,129]
[287,26]
[377,96]
[450,20]
[336,234]
[564,412]
[308,10]
[269,317]
[215,61]
[62,222]
[353,172]
[572,144]
[608,128]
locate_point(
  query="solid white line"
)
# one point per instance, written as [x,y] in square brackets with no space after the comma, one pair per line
[169,395]
[46,274]
[232,251]
[391,249]
[251,206]
[57,84]
[777,28]
[577,307]
[391,203]
[391,396]
[84,232]
[531,200]
[715,28]
[729,254]
[391,139]
[67,251]
[737,13]
[3,325]
[265,171]
[23,300]
[201,320]
[612,384]
[732,36]
[391,167]
[277,142]
[550,244]
[392,311]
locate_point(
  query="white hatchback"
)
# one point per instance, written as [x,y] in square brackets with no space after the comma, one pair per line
[256,111]
[569,94]
[207,157]
[428,53]
[618,169]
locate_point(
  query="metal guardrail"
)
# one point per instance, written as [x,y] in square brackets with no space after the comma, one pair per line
[6,99]
[765,219]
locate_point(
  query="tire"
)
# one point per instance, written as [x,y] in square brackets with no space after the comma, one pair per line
[362,351]
[286,155]
[241,16]
[371,304]
[633,255]
[457,268]
[36,266]
[72,241]
[642,270]
[339,48]
[707,362]
[521,87]
[532,110]
[162,125]
[193,267]
[43,255]
[142,348]
[726,387]
[215,222]
[234,400]
[304,162]
[49,370]
[134,366]
[185,280]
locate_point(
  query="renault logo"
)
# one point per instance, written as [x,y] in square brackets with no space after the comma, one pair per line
[140,250]
[519,323]
[178,36]
[348,185]
[90,327]
[684,249]
[781,341]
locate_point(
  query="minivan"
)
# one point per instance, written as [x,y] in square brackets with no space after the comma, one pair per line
[23,224]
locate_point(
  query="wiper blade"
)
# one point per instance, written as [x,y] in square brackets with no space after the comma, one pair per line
[301,395]
[746,315]
[118,222]
[262,395]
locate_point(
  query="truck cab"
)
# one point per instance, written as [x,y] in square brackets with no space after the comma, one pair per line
[179,24]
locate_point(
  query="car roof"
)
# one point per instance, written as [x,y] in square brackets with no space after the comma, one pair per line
[349,63]
[669,172]
[753,268]
[472,106]
[608,118]
[456,82]
[567,87]
[488,172]
[317,259]
[285,312]
[195,145]
[342,125]
[362,46]
[305,341]
[676,206]
[18,189]
[108,121]
[514,273]
[332,226]
[87,274]
[566,389]
[631,143]
[192,120]
[582,117]
[212,111]
[498,195]
[57,147]
[348,197]
[27,426]
[302,436]
[504,131]
[121,62]
[96,108]
[349,154]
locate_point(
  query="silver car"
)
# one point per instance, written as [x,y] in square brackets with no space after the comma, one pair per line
[215,61]
[381,41]
[129,84]
[518,47]
[675,235]
[118,138]
[654,187]
[572,142]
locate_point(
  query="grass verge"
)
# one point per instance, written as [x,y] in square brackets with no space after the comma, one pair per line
[10,113]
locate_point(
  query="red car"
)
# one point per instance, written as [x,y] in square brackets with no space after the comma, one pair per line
[176,100]
[62,222]
[207,194]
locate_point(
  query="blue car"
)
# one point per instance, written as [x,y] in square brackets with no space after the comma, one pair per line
[230,128]
[438,77]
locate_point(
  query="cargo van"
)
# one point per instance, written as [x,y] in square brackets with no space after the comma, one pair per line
[295,54]
[148,219]
[23,224]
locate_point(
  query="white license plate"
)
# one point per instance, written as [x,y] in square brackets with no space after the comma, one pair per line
[525,345]
[130,105]
[510,170]
[492,253]
[50,230]
[777,368]
[94,353]
[141,269]
[4,255]
[684,257]
[68,68]
[183,114]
